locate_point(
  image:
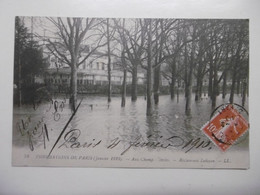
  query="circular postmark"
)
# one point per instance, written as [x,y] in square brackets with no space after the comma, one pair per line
[227,125]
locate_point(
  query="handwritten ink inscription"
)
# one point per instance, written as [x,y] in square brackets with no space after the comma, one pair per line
[71,138]
[57,107]
[33,131]
[36,129]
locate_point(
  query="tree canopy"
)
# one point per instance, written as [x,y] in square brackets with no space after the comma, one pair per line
[28,61]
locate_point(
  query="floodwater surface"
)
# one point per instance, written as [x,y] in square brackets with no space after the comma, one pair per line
[97,119]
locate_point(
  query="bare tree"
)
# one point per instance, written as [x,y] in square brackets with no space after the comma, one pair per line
[124,63]
[109,61]
[120,29]
[71,34]
[191,68]
[172,52]
[239,53]
[134,35]
[149,93]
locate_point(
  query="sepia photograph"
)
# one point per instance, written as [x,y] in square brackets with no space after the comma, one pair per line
[131,92]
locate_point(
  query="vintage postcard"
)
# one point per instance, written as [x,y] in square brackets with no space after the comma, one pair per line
[131,92]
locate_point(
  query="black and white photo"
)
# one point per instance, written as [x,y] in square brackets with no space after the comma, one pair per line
[131,92]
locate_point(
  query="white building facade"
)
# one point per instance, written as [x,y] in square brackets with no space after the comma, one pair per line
[92,72]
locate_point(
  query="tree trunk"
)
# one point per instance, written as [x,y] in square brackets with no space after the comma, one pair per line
[200,88]
[124,80]
[186,72]
[124,89]
[19,82]
[149,107]
[189,84]
[156,85]
[157,71]
[74,78]
[224,85]
[215,87]
[134,84]
[173,80]
[197,92]
[199,80]
[232,90]
[235,65]
[238,84]
[19,87]
[244,93]
[123,95]
[210,79]
[189,91]
[190,77]
[108,64]
[177,90]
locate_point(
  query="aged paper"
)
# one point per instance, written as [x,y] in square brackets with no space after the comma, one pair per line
[144,93]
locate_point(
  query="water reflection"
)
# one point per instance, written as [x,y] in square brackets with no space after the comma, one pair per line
[99,120]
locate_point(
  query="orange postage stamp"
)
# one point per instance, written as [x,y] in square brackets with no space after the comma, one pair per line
[226,127]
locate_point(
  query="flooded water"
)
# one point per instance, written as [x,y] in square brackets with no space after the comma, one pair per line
[96,119]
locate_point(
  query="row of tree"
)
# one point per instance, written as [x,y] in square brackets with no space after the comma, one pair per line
[181,50]
[184,50]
